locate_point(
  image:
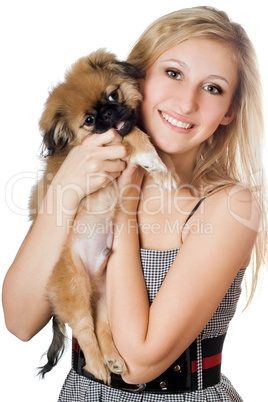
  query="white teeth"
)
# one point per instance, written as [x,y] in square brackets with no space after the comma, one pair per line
[175,122]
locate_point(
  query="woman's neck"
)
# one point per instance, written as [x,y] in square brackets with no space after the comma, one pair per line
[184,165]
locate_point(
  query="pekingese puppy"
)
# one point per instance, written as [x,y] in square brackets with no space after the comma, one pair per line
[99,92]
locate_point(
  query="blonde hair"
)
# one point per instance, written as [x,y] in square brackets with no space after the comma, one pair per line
[233,154]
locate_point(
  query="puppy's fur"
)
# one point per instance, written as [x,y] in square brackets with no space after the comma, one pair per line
[98,93]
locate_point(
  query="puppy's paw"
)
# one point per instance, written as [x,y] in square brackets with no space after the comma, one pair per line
[99,371]
[115,363]
[149,161]
[169,181]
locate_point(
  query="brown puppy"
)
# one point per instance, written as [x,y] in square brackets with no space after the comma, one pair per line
[98,93]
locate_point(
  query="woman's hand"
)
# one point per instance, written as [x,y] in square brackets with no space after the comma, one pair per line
[91,165]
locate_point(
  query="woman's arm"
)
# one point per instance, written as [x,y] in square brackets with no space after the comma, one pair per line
[150,339]
[25,305]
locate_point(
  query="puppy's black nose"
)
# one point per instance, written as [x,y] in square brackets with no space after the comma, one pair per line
[106,118]
[108,114]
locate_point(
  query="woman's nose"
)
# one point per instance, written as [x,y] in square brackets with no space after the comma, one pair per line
[187,100]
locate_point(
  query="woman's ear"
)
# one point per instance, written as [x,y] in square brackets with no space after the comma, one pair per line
[229,116]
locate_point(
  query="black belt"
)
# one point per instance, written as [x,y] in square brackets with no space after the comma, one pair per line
[180,377]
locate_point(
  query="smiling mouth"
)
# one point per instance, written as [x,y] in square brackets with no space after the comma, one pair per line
[176,123]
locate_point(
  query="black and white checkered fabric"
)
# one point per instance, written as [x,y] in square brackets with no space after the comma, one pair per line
[155,266]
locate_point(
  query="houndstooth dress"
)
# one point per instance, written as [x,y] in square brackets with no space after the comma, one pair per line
[155,265]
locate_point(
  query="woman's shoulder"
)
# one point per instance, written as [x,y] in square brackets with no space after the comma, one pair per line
[235,203]
[224,211]
[227,219]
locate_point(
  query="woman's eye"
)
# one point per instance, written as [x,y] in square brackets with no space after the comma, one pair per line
[212,89]
[174,74]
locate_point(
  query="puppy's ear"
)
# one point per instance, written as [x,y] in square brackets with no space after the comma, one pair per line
[54,125]
[129,70]
[57,136]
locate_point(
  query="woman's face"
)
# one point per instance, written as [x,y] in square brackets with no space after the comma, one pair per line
[187,95]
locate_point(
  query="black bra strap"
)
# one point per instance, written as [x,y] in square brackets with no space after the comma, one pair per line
[190,215]
[197,206]
[194,209]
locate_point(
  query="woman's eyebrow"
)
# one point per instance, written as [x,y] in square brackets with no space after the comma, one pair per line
[218,77]
[179,62]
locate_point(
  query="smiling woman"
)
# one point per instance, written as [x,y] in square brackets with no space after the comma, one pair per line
[178,258]
[201,83]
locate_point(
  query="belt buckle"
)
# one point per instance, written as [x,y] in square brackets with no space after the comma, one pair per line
[141,387]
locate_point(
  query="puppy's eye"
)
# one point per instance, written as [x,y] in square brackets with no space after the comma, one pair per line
[90,120]
[113,96]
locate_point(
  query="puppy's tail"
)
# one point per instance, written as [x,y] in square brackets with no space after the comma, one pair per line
[56,348]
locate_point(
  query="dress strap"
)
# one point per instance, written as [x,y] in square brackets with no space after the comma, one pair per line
[190,215]
[194,210]
[198,204]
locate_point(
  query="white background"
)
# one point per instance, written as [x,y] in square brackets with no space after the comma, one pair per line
[39,40]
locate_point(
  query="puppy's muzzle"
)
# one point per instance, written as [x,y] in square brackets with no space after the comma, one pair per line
[117,116]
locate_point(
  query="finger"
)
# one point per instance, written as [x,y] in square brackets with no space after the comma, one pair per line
[135,173]
[113,153]
[131,169]
[96,146]
[113,166]
[110,137]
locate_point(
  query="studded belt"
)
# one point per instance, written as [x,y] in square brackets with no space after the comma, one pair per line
[181,376]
